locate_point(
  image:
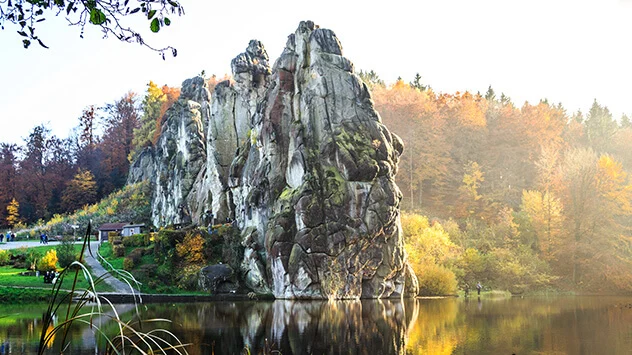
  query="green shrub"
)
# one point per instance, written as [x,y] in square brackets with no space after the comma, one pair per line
[164,273]
[118,250]
[137,240]
[187,278]
[66,252]
[114,238]
[32,257]
[133,259]
[144,272]
[128,264]
[436,280]
[5,257]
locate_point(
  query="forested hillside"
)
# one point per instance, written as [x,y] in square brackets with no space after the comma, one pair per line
[528,196]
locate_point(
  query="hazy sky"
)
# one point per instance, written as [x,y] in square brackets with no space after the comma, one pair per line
[566,51]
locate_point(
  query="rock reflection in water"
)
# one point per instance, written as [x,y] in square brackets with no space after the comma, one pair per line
[295,327]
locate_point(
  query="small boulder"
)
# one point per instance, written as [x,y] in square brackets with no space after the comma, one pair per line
[219,278]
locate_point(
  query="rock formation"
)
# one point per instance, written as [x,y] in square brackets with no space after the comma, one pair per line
[298,157]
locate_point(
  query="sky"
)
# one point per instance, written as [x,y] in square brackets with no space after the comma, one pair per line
[569,52]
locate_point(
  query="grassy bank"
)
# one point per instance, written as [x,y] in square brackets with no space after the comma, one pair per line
[20,282]
[13,295]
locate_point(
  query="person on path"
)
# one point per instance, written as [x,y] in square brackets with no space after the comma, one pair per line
[478,288]
[1,237]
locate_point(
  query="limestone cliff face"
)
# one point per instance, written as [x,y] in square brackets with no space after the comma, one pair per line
[297,156]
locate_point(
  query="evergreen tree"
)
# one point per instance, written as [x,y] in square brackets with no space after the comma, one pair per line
[625,121]
[490,95]
[416,83]
[371,79]
[600,127]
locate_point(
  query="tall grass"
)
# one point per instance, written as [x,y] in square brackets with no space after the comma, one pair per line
[86,306]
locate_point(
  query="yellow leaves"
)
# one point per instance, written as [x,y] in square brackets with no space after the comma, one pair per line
[111,209]
[610,170]
[48,262]
[425,243]
[192,248]
[92,209]
[57,218]
[545,214]
[471,111]
[612,184]
[13,217]
[472,180]
[413,224]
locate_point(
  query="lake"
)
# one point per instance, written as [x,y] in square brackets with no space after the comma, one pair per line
[530,325]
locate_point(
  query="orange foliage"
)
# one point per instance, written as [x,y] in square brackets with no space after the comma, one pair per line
[172,95]
[191,249]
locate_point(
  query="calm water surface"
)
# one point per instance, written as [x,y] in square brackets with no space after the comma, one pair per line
[557,325]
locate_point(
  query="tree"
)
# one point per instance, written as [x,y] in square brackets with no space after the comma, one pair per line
[416,83]
[625,122]
[88,151]
[107,15]
[66,252]
[80,191]
[412,115]
[121,121]
[371,79]
[151,107]
[490,95]
[35,191]
[87,123]
[597,197]
[579,198]
[545,216]
[59,169]
[8,176]
[600,127]
[13,216]
[470,202]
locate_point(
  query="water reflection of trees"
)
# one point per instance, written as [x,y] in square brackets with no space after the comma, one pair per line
[560,325]
[20,327]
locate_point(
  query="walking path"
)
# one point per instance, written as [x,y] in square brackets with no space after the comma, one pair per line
[20,244]
[98,270]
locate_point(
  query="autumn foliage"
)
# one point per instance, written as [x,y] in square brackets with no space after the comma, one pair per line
[534,197]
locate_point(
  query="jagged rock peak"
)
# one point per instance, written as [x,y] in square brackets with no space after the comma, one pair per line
[194,89]
[254,62]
